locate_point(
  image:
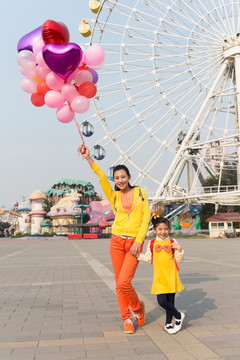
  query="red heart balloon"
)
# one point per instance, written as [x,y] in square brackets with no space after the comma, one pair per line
[55,33]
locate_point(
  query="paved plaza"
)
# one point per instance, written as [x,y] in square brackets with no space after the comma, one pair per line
[58,302]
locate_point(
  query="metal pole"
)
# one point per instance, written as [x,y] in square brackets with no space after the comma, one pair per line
[190,174]
[237,79]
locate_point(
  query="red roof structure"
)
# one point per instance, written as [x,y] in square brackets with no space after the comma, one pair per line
[232,216]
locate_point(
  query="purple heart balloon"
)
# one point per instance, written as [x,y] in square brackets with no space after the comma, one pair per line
[26,42]
[62,59]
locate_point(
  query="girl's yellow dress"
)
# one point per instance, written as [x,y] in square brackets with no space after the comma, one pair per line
[165,277]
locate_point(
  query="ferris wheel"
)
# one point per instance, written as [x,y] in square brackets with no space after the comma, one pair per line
[169,99]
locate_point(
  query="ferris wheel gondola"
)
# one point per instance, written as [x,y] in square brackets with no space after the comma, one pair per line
[94,5]
[98,152]
[87,129]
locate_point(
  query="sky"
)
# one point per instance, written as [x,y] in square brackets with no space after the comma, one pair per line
[36,149]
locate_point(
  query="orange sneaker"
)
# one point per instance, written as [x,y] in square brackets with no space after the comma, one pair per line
[140,316]
[128,326]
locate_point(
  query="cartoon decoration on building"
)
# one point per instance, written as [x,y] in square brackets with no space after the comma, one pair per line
[185,219]
[101,212]
[158,209]
[191,218]
[65,211]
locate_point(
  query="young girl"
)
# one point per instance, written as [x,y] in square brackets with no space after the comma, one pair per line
[166,282]
[132,217]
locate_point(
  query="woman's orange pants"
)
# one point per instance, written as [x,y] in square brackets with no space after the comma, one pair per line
[124,266]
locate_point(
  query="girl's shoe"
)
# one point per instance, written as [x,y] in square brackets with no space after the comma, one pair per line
[178,322]
[170,329]
[140,316]
[128,326]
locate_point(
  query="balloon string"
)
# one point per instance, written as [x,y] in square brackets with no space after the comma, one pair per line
[78,127]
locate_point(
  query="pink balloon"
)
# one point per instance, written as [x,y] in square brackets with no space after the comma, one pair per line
[100,65]
[83,76]
[40,60]
[80,104]
[54,81]
[94,55]
[54,99]
[37,46]
[41,72]
[65,114]
[69,92]
[29,85]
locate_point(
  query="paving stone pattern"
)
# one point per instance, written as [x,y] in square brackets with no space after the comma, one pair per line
[57,301]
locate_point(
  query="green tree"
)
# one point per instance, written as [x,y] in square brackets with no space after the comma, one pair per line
[46,205]
[4,226]
[228,178]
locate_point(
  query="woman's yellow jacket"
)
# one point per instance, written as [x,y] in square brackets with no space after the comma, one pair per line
[134,224]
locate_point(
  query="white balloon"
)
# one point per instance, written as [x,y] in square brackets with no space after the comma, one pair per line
[83,76]
[28,71]
[24,57]
[29,85]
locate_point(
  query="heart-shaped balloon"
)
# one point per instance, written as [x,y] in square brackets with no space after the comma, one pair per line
[26,42]
[62,59]
[55,33]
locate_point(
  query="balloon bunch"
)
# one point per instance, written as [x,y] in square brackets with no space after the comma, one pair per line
[58,73]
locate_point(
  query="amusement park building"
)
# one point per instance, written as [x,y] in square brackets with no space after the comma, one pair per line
[65,199]
[37,213]
[224,224]
[85,190]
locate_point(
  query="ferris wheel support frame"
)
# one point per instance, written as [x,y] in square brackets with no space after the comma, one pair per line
[181,155]
[208,35]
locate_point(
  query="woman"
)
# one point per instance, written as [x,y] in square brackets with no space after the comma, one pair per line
[132,217]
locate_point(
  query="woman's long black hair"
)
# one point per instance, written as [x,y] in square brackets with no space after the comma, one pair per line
[121,167]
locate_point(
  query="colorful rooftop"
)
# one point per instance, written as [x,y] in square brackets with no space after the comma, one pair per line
[234,216]
[38,195]
[46,223]
[89,188]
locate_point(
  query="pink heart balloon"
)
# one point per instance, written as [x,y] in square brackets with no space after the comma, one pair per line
[62,59]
